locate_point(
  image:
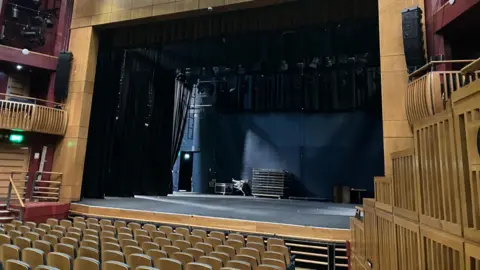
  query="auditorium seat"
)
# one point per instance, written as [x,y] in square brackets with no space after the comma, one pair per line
[74,235]
[66,223]
[168,263]
[78,219]
[60,228]
[32,225]
[56,233]
[34,257]
[280,264]
[16,265]
[105,222]
[24,229]
[206,247]
[258,246]
[52,221]
[8,227]
[275,241]
[14,234]
[46,267]
[136,260]
[85,263]
[251,252]
[89,243]
[273,255]
[59,260]
[146,268]
[155,234]
[213,241]
[109,228]
[134,226]
[193,239]
[81,225]
[128,250]
[237,245]
[104,234]
[88,252]
[91,220]
[111,246]
[219,235]
[183,257]
[182,244]
[175,236]
[171,249]
[125,231]
[247,258]
[162,241]
[238,237]
[112,265]
[112,255]
[122,236]
[9,252]
[32,236]
[140,232]
[156,254]
[239,265]
[269,267]
[109,240]
[70,241]
[66,249]
[226,249]
[94,226]
[201,233]
[40,231]
[142,239]
[5,239]
[22,242]
[146,246]
[119,224]
[198,266]
[281,249]
[43,245]
[128,242]
[195,252]
[149,227]
[215,263]
[224,257]
[255,239]
[166,229]
[183,231]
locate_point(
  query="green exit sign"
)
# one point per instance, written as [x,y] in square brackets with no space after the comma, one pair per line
[16,138]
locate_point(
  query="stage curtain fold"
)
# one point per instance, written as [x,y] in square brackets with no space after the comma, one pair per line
[181,104]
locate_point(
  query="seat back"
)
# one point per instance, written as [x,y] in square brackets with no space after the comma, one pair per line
[14,234]
[74,230]
[182,244]
[183,257]
[24,229]
[89,243]
[156,254]
[206,247]
[155,234]
[52,221]
[80,225]
[251,252]
[134,226]
[52,239]
[171,249]
[281,249]
[142,239]
[70,241]
[175,236]
[215,263]
[136,260]
[109,228]
[219,235]
[146,246]
[162,241]
[247,258]
[167,263]
[255,239]
[224,257]
[88,252]
[65,248]
[166,229]
[33,236]
[273,255]
[119,224]
[16,265]
[8,227]
[237,236]
[258,246]
[125,230]
[195,252]
[269,267]
[113,255]
[60,228]
[31,224]
[59,260]
[239,265]
[278,263]
[44,226]
[111,246]
[140,232]
[58,234]
[123,236]
[183,231]
[274,241]
[78,219]
[34,257]
[193,239]
[40,232]
[44,246]
[9,252]
[104,234]
[84,263]
[237,245]
[5,239]
[92,220]
[198,266]
[128,250]
[66,223]
[226,249]
[113,265]
[104,222]
[201,233]
[109,240]
[150,228]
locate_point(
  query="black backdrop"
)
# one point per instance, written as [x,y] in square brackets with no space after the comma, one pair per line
[130,135]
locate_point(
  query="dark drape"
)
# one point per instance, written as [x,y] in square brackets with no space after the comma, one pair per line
[130,134]
[182,101]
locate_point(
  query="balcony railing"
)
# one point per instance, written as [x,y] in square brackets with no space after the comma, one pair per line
[429,91]
[30,114]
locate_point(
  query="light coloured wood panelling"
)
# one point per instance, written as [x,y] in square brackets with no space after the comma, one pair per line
[386,240]
[472,257]
[371,241]
[246,226]
[441,250]
[13,158]
[407,237]
[406,187]
[358,238]
[384,193]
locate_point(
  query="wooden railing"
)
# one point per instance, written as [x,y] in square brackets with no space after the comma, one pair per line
[26,114]
[429,91]
[467,126]
[405,184]
[472,256]
[407,237]
[383,193]
[358,238]
[386,241]
[46,189]
[370,226]
[441,250]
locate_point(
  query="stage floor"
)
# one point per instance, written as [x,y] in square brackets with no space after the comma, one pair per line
[292,212]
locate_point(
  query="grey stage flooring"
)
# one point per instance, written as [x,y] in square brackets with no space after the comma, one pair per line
[307,213]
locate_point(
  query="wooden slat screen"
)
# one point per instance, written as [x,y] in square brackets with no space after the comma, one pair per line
[383,193]
[386,241]
[437,174]
[358,238]
[466,104]
[370,226]
[16,115]
[472,256]
[407,236]
[405,184]
[441,250]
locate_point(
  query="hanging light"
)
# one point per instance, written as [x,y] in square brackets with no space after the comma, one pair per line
[15,12]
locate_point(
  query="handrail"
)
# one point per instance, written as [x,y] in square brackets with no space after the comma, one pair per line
[35,100]
[49,191]
[16,191]
[433,63]
[472,67]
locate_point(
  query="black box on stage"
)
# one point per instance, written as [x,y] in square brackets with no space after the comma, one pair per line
[413,37]
[62,77]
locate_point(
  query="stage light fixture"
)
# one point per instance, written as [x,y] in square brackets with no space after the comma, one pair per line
[186,156]
[19,67]
[49,22]
[15,12]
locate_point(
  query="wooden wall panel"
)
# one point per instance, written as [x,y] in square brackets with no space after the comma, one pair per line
[441,250]
[405,184]
[384,193]
[407,237]
[386,240]
[370,226]
[472,257]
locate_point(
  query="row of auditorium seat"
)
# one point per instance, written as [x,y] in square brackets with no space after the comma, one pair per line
[90,243]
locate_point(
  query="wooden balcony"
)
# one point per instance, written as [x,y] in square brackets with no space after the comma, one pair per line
[429,91]
[29,114]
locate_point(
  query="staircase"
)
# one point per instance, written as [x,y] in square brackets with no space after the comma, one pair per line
[6,215]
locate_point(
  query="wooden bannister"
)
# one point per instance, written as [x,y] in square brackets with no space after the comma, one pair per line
[26,114]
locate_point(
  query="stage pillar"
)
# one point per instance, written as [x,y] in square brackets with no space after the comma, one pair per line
[70,153]
[397,134]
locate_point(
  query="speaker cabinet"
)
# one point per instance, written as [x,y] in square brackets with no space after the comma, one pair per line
[63,76]
[413,38]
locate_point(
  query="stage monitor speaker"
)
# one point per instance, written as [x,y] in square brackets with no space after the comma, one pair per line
[62,78]
[413,38]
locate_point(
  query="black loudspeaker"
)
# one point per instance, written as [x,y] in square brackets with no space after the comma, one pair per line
[63,76]
[413,38]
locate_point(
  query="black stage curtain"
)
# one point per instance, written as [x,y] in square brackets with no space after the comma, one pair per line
[129,149]
[182,101]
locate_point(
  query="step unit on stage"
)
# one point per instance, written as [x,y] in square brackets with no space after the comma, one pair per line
[270,183]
